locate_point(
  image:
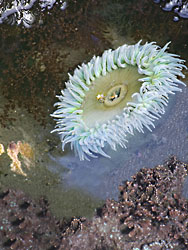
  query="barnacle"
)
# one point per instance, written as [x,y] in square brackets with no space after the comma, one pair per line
[17,12]
[113,95]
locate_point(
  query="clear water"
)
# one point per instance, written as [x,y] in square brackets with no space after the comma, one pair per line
[34,64]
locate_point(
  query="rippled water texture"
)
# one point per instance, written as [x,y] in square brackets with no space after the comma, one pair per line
[34,64]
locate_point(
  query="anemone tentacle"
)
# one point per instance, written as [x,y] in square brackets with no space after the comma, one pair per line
[157,76]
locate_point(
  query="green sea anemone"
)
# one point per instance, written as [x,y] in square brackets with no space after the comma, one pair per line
[111,96]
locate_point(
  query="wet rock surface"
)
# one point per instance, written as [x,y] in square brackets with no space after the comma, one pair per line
[24,224]
[150,214]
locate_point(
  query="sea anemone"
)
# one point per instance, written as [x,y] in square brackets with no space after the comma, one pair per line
[111,96]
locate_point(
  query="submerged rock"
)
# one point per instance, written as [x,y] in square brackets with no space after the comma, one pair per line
[150,214]
[25,224]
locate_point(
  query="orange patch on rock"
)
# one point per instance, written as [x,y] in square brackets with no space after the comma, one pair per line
[25,151]
[2,150]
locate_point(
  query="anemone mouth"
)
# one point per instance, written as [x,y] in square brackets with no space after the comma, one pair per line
[111,96]
[115,95]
